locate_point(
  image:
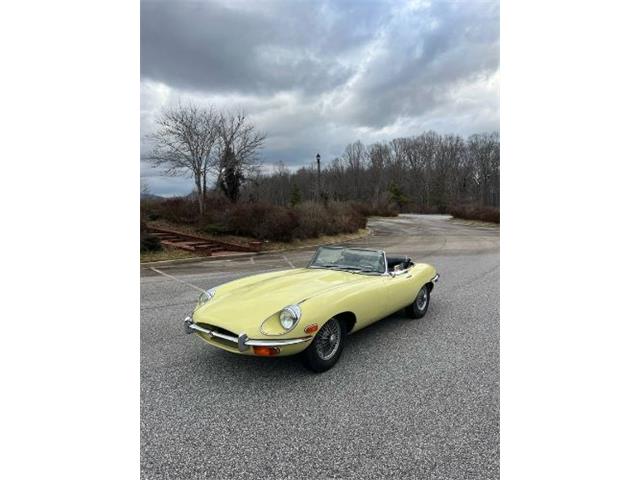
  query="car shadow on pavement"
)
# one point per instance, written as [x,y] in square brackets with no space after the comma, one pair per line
[386,334]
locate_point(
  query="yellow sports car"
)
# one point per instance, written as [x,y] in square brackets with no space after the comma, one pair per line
[311,310]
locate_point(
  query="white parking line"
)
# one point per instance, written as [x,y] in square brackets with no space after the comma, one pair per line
[177,279]
[287,260]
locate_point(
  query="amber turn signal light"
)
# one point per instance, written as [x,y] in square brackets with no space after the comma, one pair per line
[266,351]
[311,328]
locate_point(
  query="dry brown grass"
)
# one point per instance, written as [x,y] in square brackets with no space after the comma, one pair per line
[194,230]
[166,253]
[309,242]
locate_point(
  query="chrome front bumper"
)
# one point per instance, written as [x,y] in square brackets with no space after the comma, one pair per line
[243,341]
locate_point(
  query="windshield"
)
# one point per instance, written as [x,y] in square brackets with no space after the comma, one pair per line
[349,259]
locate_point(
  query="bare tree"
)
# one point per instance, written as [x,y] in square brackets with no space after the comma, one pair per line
[237,153]
[183,144]
[485,153]
[354,156]
[379,154]
[145,189]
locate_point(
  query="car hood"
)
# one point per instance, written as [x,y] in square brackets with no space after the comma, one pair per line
[242,305]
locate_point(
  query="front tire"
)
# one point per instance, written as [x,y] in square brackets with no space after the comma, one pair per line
[327,345]
[418,308]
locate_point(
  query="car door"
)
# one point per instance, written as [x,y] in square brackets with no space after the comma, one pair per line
[400,288]
[370,301]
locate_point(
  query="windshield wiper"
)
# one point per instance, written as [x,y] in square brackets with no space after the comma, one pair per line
[333,266]
[350,268]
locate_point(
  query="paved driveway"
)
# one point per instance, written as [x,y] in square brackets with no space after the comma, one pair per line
[408,399]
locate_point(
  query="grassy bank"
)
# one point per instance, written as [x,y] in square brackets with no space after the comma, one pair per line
[259,220]
[169,253]
[276,227]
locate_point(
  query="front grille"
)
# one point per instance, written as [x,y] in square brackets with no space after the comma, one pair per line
[221,331]
[216,329]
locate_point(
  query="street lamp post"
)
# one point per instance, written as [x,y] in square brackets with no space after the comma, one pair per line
[318,179]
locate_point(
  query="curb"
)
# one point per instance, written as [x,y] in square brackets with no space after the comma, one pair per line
[179,261]
[176,261]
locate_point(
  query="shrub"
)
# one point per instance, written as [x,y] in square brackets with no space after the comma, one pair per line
[484,214]
[263,221]
[148,242]
[383,207]
[178,210]
[216,229]
[336,217]
[314,220]
[279,224]
[243,218]
[149,209]
[215,204]
[345,218]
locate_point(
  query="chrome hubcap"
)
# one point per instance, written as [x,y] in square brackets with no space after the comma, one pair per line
[422,299]
[328,339]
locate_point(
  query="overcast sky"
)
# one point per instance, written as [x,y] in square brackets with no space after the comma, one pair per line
[316,75]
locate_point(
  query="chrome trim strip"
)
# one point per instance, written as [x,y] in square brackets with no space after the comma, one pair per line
[436,278]
[243,341]
[386,265]
[187,325]
[276,343]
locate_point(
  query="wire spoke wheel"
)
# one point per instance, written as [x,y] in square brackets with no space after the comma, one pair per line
[420,304]
[328,339]
[326,348]
[421,301]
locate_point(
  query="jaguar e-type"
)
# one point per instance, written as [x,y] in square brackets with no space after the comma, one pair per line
[310,311]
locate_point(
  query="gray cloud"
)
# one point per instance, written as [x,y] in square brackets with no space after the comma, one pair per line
[317,75]
[279,46]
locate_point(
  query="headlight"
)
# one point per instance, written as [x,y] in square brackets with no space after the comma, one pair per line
[289,316]
[206,296]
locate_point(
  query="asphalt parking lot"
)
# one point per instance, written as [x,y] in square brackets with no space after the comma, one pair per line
[408,398]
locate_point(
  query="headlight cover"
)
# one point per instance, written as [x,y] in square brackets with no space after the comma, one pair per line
[290,316]
[206,296]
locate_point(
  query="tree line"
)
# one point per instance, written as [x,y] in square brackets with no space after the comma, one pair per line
[427,172]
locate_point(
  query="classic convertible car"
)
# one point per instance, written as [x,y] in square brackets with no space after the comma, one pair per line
[311,310]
